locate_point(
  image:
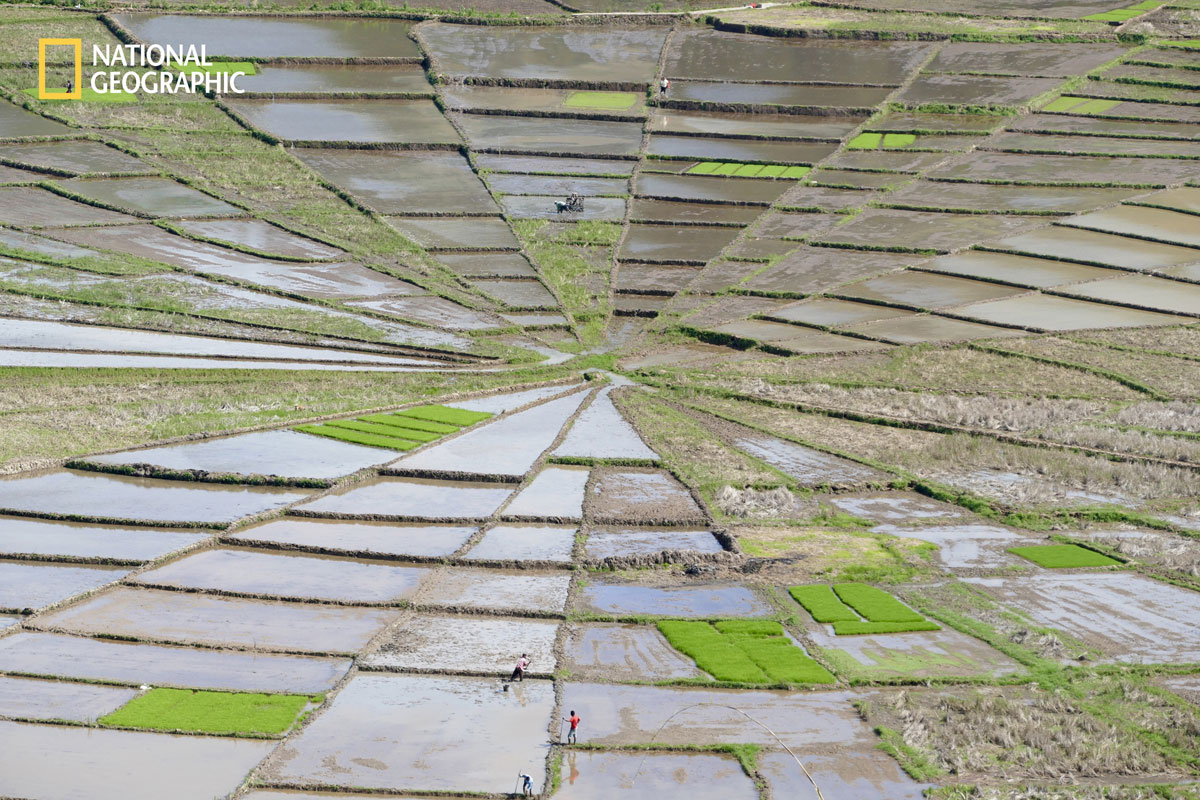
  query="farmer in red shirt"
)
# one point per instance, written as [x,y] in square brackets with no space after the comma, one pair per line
[574,720]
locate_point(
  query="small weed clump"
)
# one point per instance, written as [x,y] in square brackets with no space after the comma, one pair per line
[1062,556]
[744,651]
[223,713]
[403,430]
[879,611]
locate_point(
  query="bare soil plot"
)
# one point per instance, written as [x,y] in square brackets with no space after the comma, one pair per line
[263,236]
[703,776]
[109,497]
[1063,169]
[1024,270]
[1103,126]
[358,121]
[25,536]
[550,136]
[705,188]
[1149,223]
[895,507]
[926,328]
[23,698]
[81,658]
[189,618]
[154,196]
[606,543]
[291,576]
[533,544]
[1144,291]
[555,494]
[1030,59]
[600,55]
[704,601]
[36,207]
[507,447]
[778,94]
[544,165]
[400,182]
[17,122]
[795,339]
[926,290]
[61,762]
[885,227]
[999,197]
[457,232]
[488,265]
[362,539]
[622,715]
[601,432]
[76,156]
[408,732]
[496,591]
[919,654]
[814,269]
[412,498]
[277,37]
[713,55]
[1074,244]
[284,453]
[617,652]
[1129,617]
[468,645]
[1043,312]
[27,586]
[864,774]
[640,497]
[828,311]
[336,78]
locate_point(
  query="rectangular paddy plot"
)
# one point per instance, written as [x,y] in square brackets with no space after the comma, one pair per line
[1100,145]
[1023,270]
[925,328]
[703,776]
[766,126]
[488,265]
[794,339]
[813,269]
[523,99]
[1075,244]
[435,311]
[36,537]
[745,651]
[399,182]
[925,290]
[708,602]
[494,591]
[500,402]
[924,654]
[109,497]
[601,432]
[275,37]
[358,121]
[28,205]
[1062,169]
[755,191]
[507,447]
[545,207]
[23,698]
[1130,618]
[653,278]
[1142,290]
[675,243]
[1000,197]
[63,762]
[280,453]
[524,544]
[336,78]
[975,90]
[304,577]
[644,210]
[157,197]
[717,149]
[622,715]
[190,618]
[1147,223]
[16,122]
[827,311]
[557,185]
[713,55]
[262,236]
[641,497]
[621,652]
[556,493]
[1030,59]
[1044,312]
[411,498]
[518,294]
[468,645]
[965,547]
[809,467]
[895,507]
[552,136]
[457,233]
[886,227]
[81,658]
[408,732]
[596,55]
[77,157]
[359,539]
[543,165]
[1103,126]
[778,94]
[866,774]
[27,586]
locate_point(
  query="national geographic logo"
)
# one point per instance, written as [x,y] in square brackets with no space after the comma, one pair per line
[74,89]
[149,69]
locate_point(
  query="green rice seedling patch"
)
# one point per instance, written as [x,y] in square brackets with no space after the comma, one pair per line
[874,604]
[748,170]
[358,437]
[823,604]
[410,422]
[742,170]
[1062,556]
[895,141]
[1080,105]
[795,172]
[608,100]
[744,651]
[88,95]
[450,416]
[224,713]
[861,628]
[772,171]
[727,169]
[217,67]
[1129,12]
[865,141]
[385,430]
[705,168]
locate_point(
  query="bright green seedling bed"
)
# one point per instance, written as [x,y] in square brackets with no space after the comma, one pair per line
[358,437]
[887,141]
[1080,105]
[608,100]
[1129,12]
[1061,556]
[403,430]
[740,170]
[410,422]
[225,713]
[744,651]
[856,609]
[384,430]
[450,416]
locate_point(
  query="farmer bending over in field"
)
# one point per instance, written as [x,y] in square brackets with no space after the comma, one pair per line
[526,784]
[519,670]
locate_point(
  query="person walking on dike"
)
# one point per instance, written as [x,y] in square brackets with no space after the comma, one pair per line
[519,670]
[663,86]
[526,784]
[574,720]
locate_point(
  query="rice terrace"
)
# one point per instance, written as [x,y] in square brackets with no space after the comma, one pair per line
[585,399]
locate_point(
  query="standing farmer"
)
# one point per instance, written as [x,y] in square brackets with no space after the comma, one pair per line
[663,86]
[574,720]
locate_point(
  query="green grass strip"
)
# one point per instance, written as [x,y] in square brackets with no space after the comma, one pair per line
[1097,106]
[216,67]
[895,141]
[715,654]
[865,141]
[1064,103]
[226,713]
[88,96]
[609,100]
[1060,556]
[727,169]
[795,172]
[358,437]
[705,168]
[450,416]
[748,170]
[381,430]
[772,171]
[823,604]
[874,604]
[861,628]
[410,422]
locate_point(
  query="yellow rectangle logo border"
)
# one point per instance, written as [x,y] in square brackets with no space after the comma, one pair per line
[77,94]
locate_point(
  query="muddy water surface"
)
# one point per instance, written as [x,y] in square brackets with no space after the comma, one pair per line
[926,328]
[863,773]
[555,166]
[675,242]
[556,493]
[576,136]
[1025,168]
[895,507]
[602,432]
[994,197]
[336,78]
[671,601]
[424,642]
[669,211]
[54,700]
[810,467]
[508,98]
[536,543]
[829,311]
[1151,223]
[925,290]
[355,538]
[26,536]
[978,90]
[79,157]
[27,586]
[488,265]
[155,196]
[655,278]
[777,94]
[968,546]
[886,227]
[1024,270]
[603,651]
[360,121]
[611,209]
[641,496]
[413,499]
[701,776]
[434,311]
[16,122]
[33,206]
[508,401]
[493,590]
[457,232]
[694,187]
[518,294]
[604,543]
[400,182]
[1142,290]
[716,149]
[263,236]
[1044,312]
